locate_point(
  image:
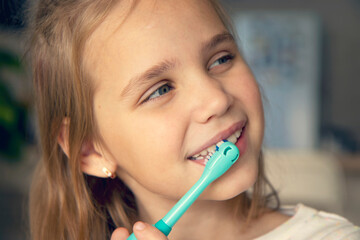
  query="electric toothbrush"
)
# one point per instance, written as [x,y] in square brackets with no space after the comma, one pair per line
[223,158]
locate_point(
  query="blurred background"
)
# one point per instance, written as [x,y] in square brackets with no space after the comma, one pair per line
[306,58]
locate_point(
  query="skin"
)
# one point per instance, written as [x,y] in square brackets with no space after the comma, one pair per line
[147,142]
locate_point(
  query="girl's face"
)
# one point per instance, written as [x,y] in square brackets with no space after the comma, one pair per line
[170,83]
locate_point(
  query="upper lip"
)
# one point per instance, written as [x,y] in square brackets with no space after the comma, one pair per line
[220,136]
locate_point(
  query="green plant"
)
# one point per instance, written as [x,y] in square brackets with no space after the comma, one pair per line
[13,114]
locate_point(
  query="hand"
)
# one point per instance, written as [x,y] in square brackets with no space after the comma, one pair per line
[142,231]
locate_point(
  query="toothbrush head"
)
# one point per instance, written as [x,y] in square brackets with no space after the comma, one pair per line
[223,158]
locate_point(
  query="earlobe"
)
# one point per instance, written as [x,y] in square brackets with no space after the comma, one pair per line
[92,161]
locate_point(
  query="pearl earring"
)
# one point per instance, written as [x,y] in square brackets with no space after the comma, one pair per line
[108,173]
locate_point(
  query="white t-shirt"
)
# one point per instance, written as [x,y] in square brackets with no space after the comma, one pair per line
[309,224]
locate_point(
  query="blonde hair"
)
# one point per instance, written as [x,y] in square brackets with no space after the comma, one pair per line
[65,203]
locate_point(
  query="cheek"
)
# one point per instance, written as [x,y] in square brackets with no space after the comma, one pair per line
[253,104]
[255,101]
[137,142]
[245,88]
[160,132]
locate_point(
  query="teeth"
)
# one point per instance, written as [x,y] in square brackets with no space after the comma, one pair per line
[219,143]
[212,148]
[207,153]
[204,152]
[232,138]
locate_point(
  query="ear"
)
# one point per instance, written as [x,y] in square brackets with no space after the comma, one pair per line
[91,158]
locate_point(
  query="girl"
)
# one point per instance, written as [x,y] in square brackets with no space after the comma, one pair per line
[131,96]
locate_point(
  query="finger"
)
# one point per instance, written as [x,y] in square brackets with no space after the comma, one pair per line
[120,234]
[144,231]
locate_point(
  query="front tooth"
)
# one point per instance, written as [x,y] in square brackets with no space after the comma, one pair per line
[232,138]
[204,152]
[199,158]
[237,133]
[212,148]
[219,143]
[196,155]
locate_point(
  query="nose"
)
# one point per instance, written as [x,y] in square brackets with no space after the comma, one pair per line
[211,99]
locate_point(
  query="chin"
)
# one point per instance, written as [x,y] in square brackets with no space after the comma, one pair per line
[231,186]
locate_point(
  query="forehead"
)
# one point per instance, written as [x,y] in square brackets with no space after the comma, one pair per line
[148,14]
[148,28]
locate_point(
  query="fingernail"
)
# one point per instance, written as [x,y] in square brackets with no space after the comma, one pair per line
[139,226]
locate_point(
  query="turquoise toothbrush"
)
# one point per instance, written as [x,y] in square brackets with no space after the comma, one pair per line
[223,158]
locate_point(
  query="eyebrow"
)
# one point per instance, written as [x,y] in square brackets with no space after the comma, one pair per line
[149,74]
[166,65]
[216,40]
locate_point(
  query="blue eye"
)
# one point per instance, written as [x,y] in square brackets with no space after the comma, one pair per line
[222,60]
[164,89]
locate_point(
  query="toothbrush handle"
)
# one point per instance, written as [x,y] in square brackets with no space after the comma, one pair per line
[186,201]
[168,221]
[165,229]
[220,162]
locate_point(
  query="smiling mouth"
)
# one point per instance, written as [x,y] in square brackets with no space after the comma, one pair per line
[204,156]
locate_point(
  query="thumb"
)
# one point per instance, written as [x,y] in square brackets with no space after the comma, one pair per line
[144,231]
[120,234]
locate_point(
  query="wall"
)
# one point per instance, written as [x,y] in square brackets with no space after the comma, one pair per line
[340,113]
